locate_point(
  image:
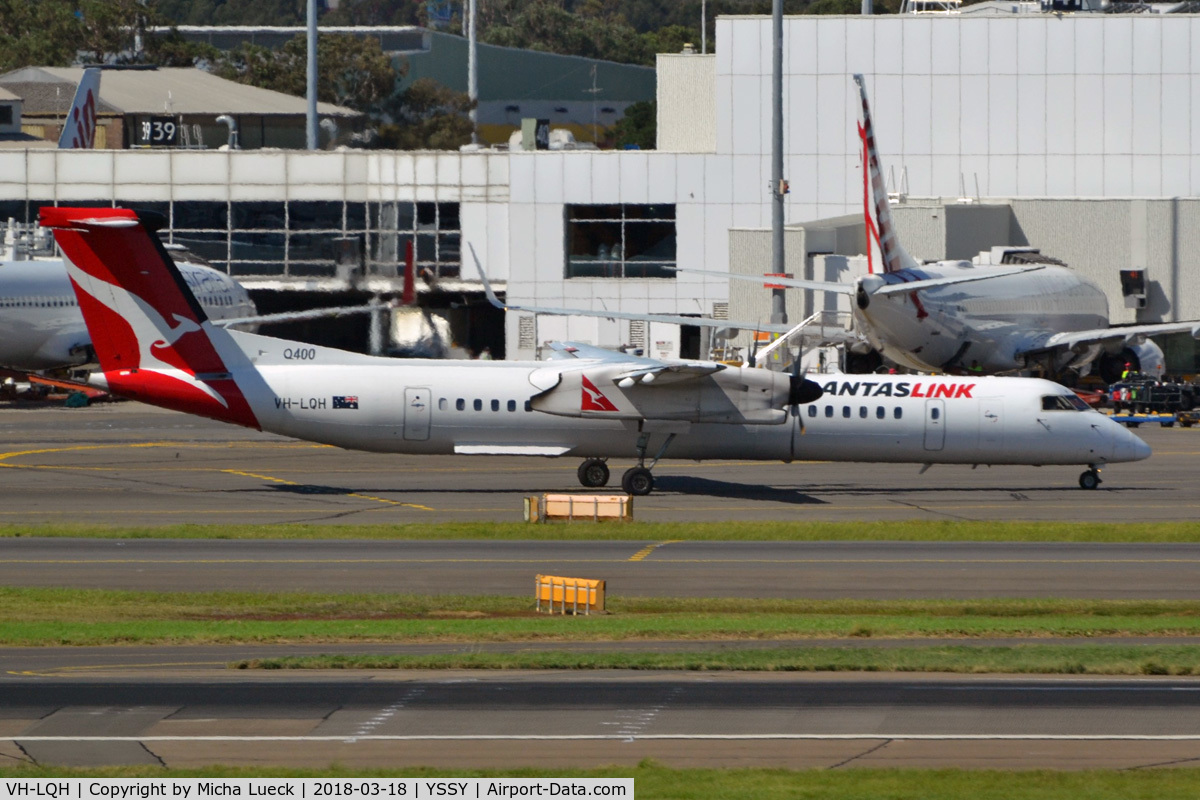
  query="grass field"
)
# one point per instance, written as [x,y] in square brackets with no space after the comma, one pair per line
[55,617]
[653,782]
[944,531]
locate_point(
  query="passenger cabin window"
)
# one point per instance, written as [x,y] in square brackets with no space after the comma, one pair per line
[862,412]
[812,411]
[495,405]
[935,413]
[846,412]
[479,405]
[898,413]
[512,405]
[829,411]
[460,404]
[880,412]
[529,405]
[442,404]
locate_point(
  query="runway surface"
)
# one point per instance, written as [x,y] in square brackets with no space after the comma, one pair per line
[556,719]
[633,569]
[128,464]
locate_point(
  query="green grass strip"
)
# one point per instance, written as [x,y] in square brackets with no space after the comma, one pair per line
[653,782]
[1022,659]
[915,530]
[49,616]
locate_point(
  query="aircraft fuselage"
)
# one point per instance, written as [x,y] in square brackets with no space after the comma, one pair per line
[980,325]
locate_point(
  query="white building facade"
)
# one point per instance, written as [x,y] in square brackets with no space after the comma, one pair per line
[1014,106]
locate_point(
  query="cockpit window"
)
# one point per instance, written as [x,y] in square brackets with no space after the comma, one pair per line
[1063,402]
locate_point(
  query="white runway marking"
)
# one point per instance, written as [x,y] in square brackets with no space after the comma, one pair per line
[350,738]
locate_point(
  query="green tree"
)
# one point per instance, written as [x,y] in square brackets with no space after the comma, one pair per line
[352,71]
[670,39]
[639,126]
[64,32]
[427,116]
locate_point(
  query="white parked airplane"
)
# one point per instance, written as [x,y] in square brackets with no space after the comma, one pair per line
[956,315]
[42,328]
[155,344]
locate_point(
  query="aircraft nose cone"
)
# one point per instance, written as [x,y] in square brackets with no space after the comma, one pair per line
[1130,447]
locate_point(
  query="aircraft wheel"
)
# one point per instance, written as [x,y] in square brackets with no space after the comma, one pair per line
[638,482]
[1089,479]
[593,473]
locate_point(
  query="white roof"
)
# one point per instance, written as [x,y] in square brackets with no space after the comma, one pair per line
[7,95]
[177,90]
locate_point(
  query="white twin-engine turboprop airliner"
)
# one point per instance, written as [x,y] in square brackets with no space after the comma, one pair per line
[156,345]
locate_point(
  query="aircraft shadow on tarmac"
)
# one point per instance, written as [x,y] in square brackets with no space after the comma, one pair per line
[707,487]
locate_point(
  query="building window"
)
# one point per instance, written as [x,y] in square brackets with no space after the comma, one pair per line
[433,229]
[6,115]
[620,241]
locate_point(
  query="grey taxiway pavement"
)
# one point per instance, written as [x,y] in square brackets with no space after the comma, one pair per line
[128,464]
[556,719]
[632,568]
[132,464]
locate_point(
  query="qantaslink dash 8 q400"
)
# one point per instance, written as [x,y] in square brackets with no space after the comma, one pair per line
[155,344]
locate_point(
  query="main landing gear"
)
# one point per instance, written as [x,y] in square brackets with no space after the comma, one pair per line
[593,473]
[637,481]
[1090,479]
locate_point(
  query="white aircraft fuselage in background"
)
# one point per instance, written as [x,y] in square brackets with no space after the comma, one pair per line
[41,326]
[987,325]
[587,402]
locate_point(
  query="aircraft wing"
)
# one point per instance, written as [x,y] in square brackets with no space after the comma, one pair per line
[673,319]
[793,283]
[1077,340]
[645,370]
[297,316]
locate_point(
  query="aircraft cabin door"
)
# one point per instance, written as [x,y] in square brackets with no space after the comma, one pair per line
[991,423]
[417,412]
[935,424]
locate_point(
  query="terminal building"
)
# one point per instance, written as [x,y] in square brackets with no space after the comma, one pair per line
[1072,133]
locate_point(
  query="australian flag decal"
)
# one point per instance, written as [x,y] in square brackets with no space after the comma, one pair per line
[345,402]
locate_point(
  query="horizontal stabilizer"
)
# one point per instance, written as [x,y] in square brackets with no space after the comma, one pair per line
[933,283]
[792,283]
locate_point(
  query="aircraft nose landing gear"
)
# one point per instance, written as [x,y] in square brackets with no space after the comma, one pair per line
[1090,479]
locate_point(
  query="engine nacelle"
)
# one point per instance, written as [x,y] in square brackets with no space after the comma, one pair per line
[1146,358]
[733,395]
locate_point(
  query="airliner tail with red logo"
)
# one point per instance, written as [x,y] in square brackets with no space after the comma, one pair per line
[79,127]
[155,344]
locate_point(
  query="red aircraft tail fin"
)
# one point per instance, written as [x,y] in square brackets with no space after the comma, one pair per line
[881,232]
[151,336]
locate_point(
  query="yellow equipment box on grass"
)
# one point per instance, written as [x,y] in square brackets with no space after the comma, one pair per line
[558,595]
[578,507]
